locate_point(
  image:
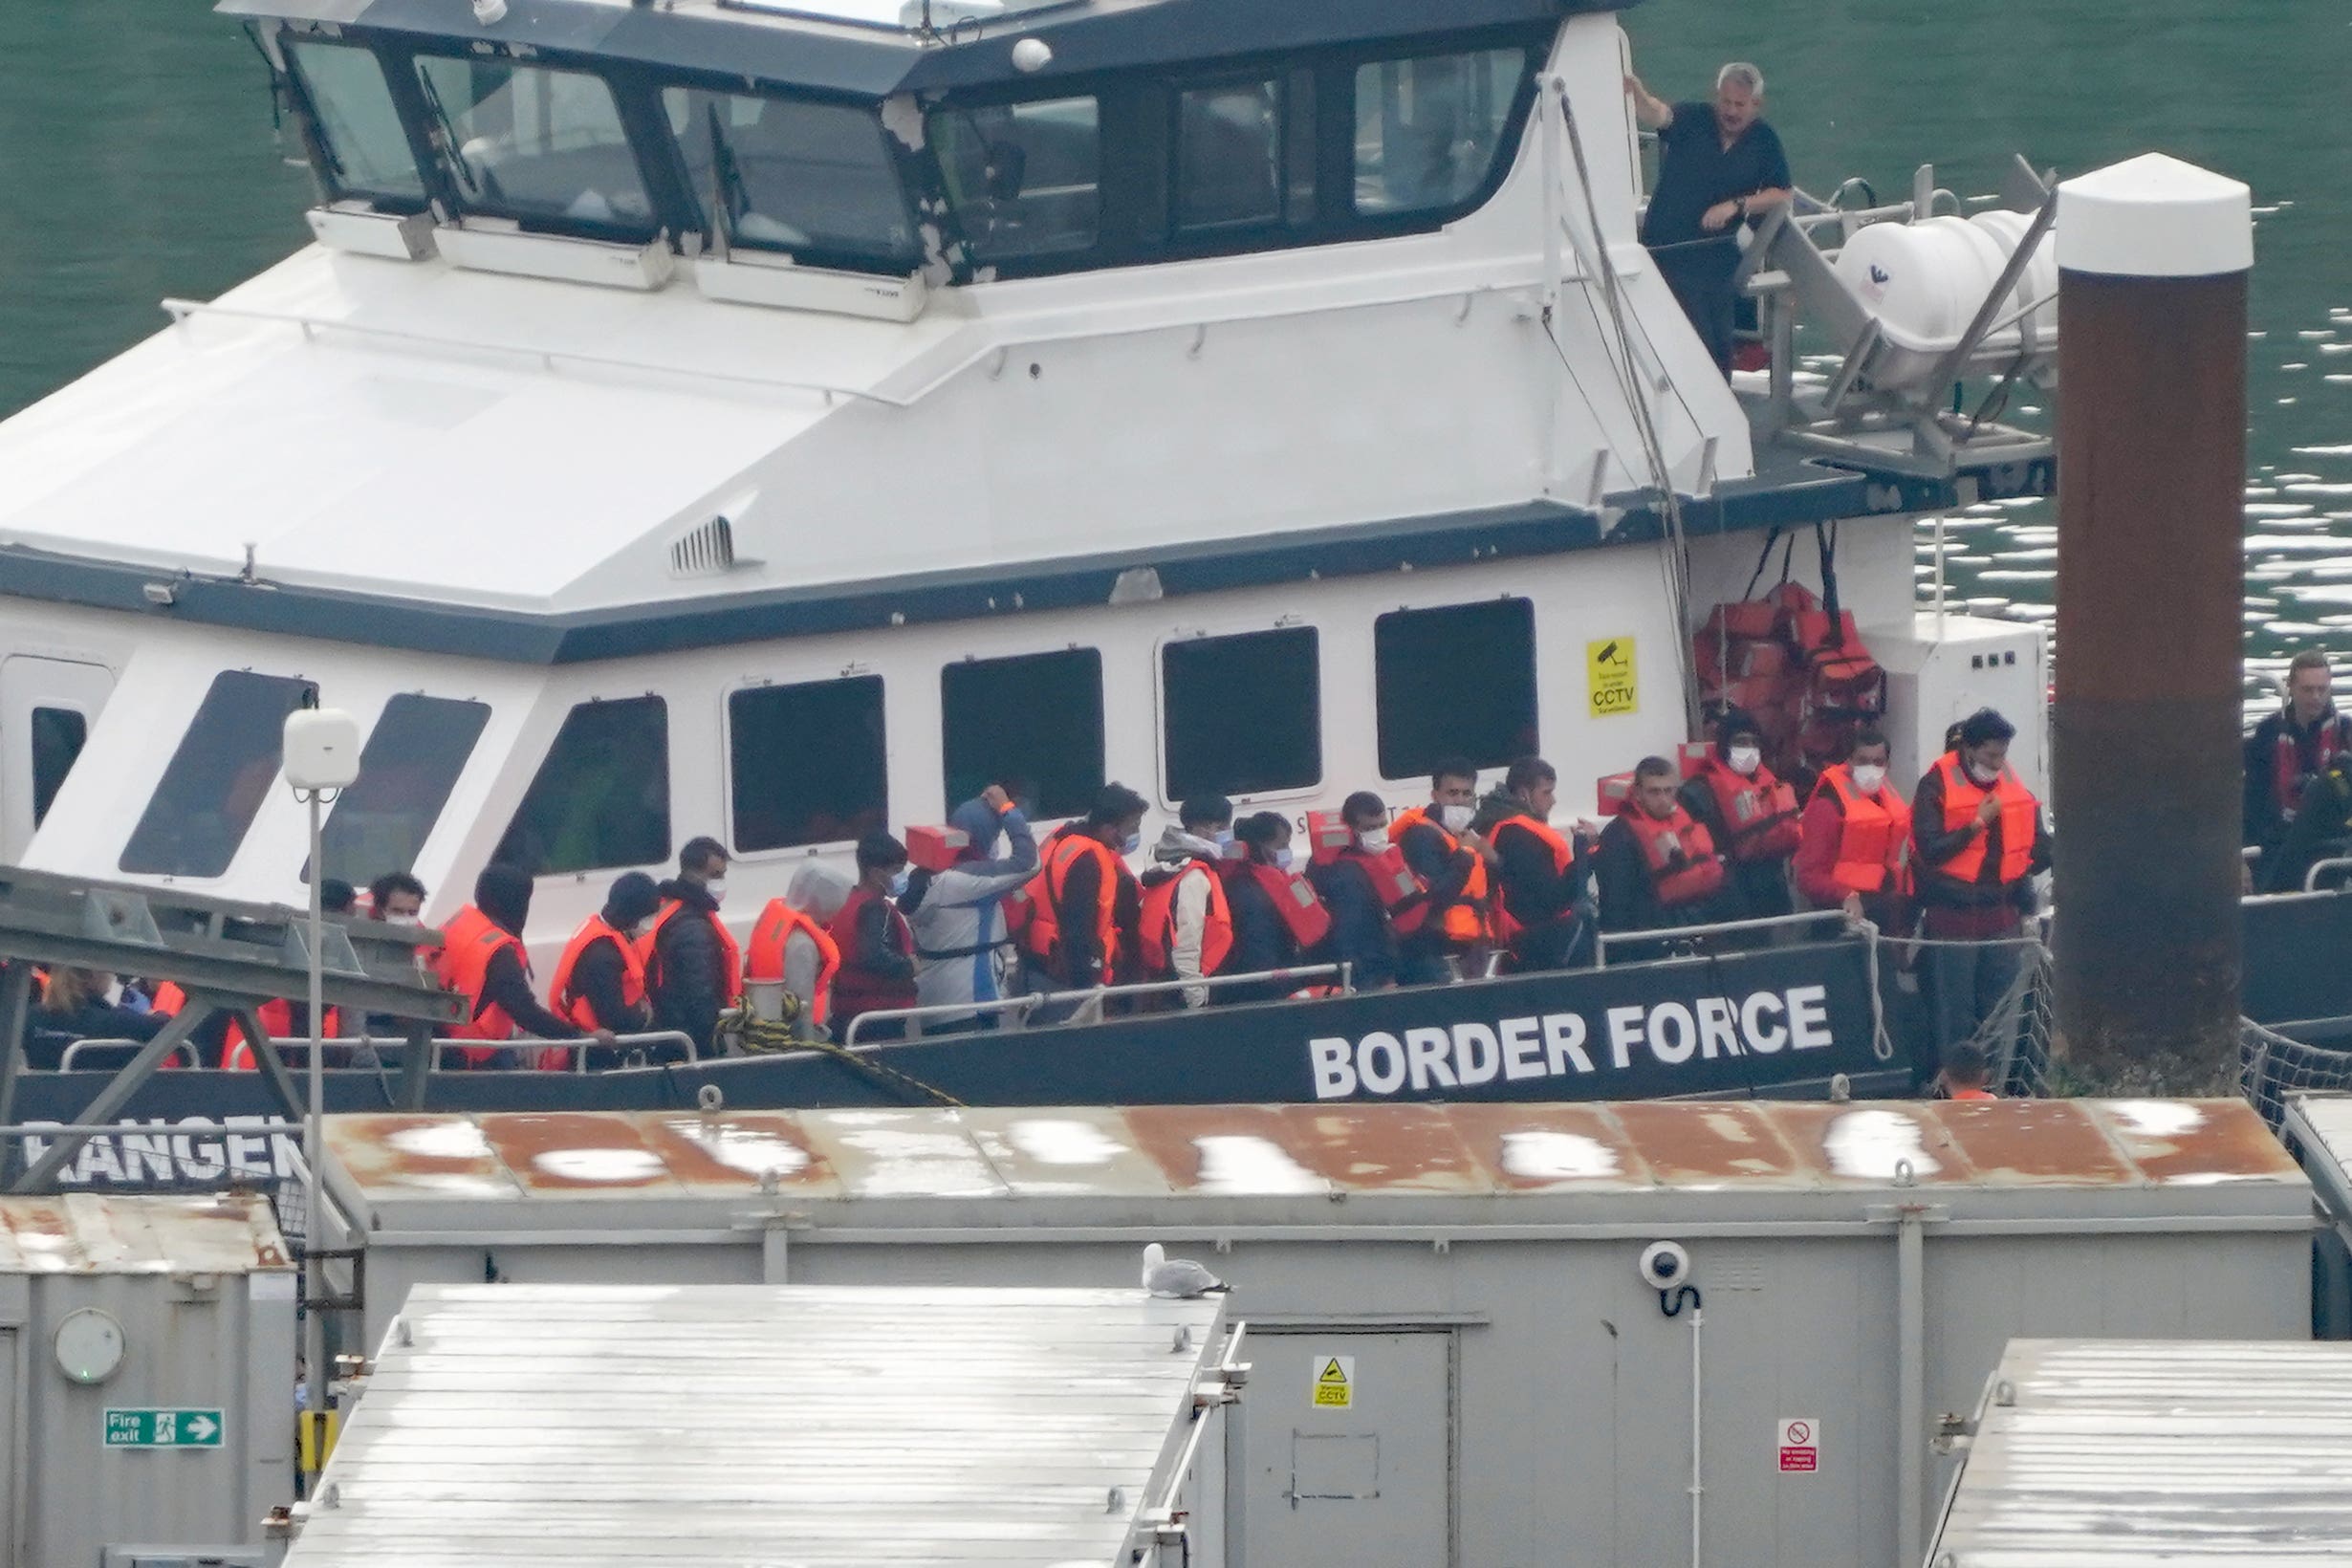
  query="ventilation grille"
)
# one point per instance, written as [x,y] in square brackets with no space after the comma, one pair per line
[704,551]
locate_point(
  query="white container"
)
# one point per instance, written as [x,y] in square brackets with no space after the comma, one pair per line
[1925,282]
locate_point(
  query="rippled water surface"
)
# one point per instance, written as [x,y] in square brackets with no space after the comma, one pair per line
[141,162]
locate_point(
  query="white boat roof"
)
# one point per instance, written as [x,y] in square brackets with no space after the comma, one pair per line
[721,1425]
[90,1234]
[2119,1454]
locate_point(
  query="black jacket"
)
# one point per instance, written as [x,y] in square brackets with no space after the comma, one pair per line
[1629,894]
[1550,904]
[2266,824]
[1360,934]
[1445,873]
[600,977]
[686,980]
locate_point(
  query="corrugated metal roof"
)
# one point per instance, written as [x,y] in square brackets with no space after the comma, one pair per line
[1249,1151]
[2106,1454]
[83,1233]
[2322,1124]
[783,1426]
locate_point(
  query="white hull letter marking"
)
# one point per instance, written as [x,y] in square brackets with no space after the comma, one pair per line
[1672,1019]
[1716,1027]
[1809,1019]
[1475,1054]
[1520,1047]
[1760,1040]
[1424,1049]
[1625,1033]
[1387,1077]
[1563,1043]
[1334,1078]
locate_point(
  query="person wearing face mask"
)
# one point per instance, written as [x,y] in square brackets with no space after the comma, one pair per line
[1279,922]
[1187,924]
[482,959]
[1751,815]
[1977,840]
[693,968]
[1856,850]
[1083,899]
[792,945]
[1451,859]
[599,980]
[958,915]
[396,899]
[1658,867]
[876,944]
[1369,892]
[1543,912]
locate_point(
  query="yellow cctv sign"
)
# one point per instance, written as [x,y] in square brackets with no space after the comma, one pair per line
[1608,676]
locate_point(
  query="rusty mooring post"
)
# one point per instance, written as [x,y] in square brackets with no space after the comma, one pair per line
[2153,256]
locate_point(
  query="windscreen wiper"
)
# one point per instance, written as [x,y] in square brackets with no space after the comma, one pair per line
[452,154]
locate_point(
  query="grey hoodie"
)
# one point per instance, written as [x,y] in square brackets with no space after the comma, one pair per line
[960,943]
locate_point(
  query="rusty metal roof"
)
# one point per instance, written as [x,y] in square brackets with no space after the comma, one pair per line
[83,1233]
[1432,1152]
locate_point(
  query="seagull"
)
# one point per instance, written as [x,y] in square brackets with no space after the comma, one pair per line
[1177,1278]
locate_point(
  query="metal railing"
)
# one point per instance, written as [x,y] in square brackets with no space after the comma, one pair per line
[1678,933]
[298,1049]
[2338,862]
[185,1052]
[1088,1007]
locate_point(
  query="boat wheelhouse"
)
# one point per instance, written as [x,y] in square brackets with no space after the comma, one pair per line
[776,421]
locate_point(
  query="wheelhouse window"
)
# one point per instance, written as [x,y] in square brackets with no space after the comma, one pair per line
[218,777]
[406,771]
[601,797]
[361,139]
[538,145]
[1031,723]
[1428,130]
[1229,155]
[1023,179]
[58,735]
[1242,715]
[1455,681]
[810,762]
[813,180]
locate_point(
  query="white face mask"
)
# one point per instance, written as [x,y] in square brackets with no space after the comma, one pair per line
[1868,776]
[716,887]
[1373,840]
[1983,775]
[1454,818]
[1282,857]
[403,920]
[1744,759]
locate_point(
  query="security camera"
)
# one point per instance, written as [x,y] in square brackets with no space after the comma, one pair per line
[1664,1264]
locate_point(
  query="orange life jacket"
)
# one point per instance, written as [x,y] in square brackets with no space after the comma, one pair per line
[1758,812]
[1507,926]
[1874,835]
[763,958]
[2019,818]
[731,956]
[1464,920]
[2287,772]
[468,941]
[858,988]
[1293,897]
[1401,895]
[559,997]
[1974,1093]
[1158,936]
[1678,853]
[1041,939]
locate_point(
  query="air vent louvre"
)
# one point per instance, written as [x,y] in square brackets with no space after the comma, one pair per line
[704,550]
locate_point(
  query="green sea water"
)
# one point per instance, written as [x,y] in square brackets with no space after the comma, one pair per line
[138,161]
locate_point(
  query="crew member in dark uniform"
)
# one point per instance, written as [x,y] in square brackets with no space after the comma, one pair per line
[2291,747]
[1718,166]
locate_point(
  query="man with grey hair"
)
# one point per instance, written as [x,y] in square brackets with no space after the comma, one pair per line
[1718,166]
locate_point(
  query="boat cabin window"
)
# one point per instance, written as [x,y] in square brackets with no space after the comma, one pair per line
[1455,681]
[538,145]
[813,180]
[601,798]
[1427,130]
[1024,178]
[1229,155]
[810,762]
[365,149]
[1242,715]
[406,771]
[217,780]
[1031,723]
[58,735]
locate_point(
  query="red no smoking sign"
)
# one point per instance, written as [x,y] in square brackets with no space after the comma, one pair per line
[1799,1443]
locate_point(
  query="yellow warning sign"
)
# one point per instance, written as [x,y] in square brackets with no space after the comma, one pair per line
[1335,1381]
[1608,676]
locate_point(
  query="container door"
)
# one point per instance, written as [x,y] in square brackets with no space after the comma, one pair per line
[1345,1451]
[48,708]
